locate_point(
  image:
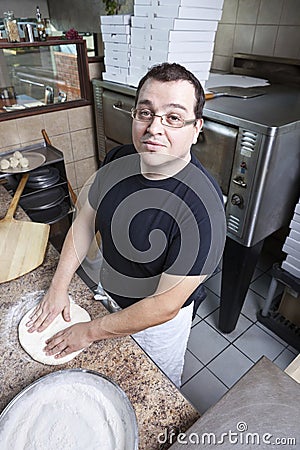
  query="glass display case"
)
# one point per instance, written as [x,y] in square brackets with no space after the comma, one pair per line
[42,76]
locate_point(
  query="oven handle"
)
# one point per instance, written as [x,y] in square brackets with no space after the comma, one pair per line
[119,107]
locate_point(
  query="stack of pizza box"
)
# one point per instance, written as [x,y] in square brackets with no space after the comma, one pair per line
[115,31]
[292,245]
[181,31]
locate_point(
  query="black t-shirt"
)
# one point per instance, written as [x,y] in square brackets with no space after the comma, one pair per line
[174,225]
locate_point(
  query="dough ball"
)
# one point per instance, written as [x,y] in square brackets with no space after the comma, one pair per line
[34,343]
[14,162]
[23,162]
[4,164]
[18,155]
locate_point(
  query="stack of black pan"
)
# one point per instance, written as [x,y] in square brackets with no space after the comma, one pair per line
[44,199]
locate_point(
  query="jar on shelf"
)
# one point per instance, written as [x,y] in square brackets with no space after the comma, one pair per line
[11,27]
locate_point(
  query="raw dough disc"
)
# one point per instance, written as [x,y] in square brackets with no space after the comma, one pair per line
[34,343]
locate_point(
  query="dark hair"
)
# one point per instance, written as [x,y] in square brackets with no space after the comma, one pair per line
[175,72]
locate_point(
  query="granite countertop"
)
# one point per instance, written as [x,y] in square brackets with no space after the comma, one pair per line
[158,404]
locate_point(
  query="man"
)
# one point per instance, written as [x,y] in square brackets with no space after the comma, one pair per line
[162,225]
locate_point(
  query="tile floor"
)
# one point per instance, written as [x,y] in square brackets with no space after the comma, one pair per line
[215,361]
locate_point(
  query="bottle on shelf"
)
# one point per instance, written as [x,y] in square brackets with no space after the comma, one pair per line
[40,26]
[11,27]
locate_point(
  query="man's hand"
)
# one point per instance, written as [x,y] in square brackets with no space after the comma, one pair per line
[69,340]
[51,306]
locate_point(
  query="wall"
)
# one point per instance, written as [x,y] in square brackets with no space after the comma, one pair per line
[82,15]
[262,27]
[24,8]
[71,131]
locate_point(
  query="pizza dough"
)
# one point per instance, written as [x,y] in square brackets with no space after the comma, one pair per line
[34,343]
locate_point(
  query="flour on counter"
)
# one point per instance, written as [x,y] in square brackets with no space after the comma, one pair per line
[67,414]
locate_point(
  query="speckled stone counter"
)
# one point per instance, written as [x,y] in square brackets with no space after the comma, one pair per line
[157,402]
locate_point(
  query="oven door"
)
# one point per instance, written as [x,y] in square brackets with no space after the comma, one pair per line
[215,149]
[117,118]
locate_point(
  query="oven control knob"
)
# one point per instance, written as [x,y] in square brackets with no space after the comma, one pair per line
[237,200]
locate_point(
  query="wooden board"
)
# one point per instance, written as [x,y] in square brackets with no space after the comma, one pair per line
[22,243]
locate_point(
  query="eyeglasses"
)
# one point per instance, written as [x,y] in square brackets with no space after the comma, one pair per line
[169,120]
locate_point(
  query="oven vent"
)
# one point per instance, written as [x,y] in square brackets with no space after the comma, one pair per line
[233,223]
[248,141]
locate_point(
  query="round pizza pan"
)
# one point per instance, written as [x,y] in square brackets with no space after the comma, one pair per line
[43,199]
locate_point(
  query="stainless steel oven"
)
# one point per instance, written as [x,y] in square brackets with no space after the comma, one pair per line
[252,147]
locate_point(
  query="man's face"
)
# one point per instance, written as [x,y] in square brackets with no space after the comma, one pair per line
[160,144]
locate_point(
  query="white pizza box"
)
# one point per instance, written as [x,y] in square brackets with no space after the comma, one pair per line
[116,19]
[179,12]
[291,251]
[118,38]
[214,4]
[144,43]
[115,70]
[116,46]
[181,57]
[116,29]
[291,269]
[293,243]
[143,2]
[294,234]
[191,36]
[140,52]
[116,58]
[296,217]
[203,67]
[185,24]
[140,33]
[123,79]
[293,261]
[202,76]
[139,70]
[163,23]
[135,74]
[297,208]
[295,225]
[142,39]
[138,60]
[133,80]
[182,46]
[171,35]
[108,61]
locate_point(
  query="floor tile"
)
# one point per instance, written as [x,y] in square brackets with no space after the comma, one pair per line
[255,343]
[293,350]
[242,325]
[210,304]
[271,333]
[196,320]
[261,285]
[253,303]
[205,343]
[265,261]
[191,366]
[214,283]
[257,273]
[284,359]
[230,365]
[204,390]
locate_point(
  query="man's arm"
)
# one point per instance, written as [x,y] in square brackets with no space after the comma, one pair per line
[75,248]
[159,308]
